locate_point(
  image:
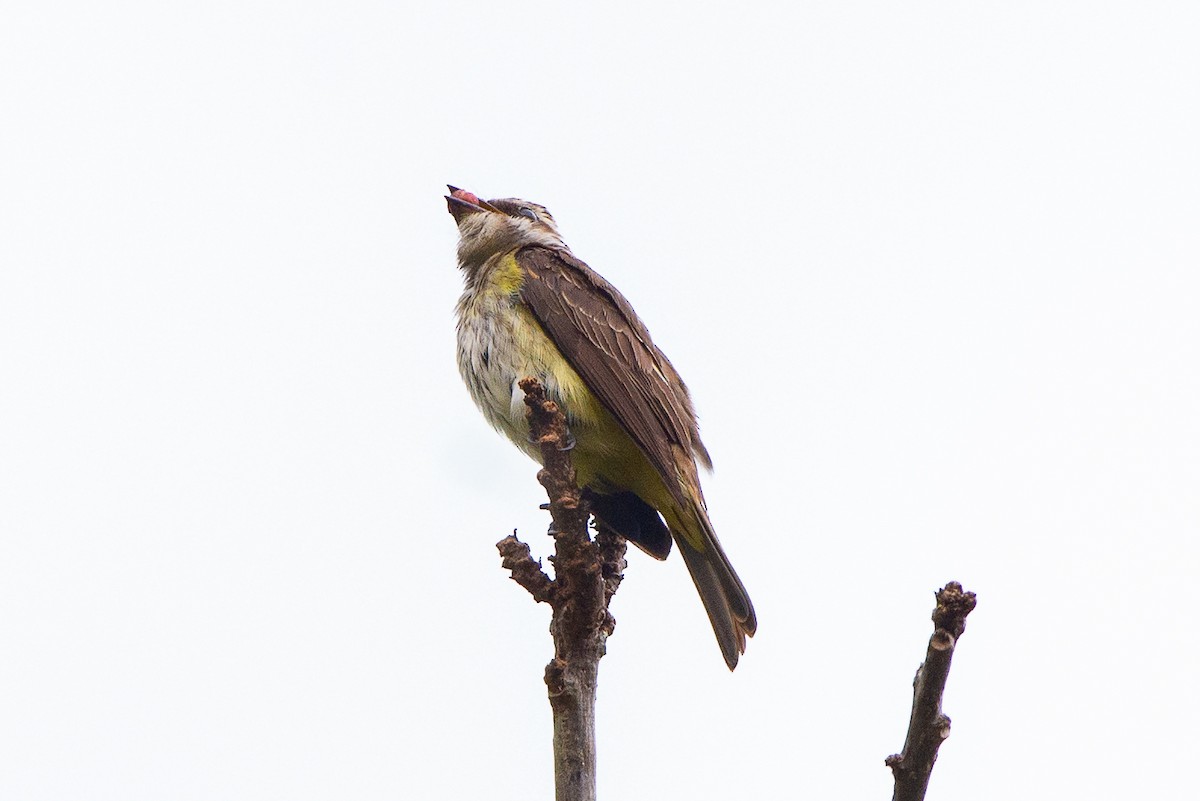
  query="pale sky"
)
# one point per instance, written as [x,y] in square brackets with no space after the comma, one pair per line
[932,272]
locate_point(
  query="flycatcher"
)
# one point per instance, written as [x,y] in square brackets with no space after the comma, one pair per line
[531,308]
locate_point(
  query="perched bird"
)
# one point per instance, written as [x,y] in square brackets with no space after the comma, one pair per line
[531,308]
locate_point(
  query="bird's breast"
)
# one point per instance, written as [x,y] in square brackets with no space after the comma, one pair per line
[499,343]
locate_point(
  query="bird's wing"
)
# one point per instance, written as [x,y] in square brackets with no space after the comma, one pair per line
[602,338]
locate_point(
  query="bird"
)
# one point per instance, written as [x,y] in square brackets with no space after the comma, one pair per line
[531,308]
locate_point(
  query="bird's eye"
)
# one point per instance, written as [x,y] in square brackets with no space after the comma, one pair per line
[528,212]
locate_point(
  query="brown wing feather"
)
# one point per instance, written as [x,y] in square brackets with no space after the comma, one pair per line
[598,332]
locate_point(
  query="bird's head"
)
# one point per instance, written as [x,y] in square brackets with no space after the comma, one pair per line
[489,227]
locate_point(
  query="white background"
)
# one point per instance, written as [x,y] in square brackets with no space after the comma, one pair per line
[930,270]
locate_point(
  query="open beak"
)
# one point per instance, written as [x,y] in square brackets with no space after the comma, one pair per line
[461,203]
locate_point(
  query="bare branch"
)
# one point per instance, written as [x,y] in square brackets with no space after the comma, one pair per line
[586,575]
[526,571]
[928,726]
[612,568]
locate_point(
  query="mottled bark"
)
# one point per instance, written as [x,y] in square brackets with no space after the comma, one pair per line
[586,574]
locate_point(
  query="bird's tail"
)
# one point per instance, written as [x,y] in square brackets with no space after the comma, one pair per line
[725,599]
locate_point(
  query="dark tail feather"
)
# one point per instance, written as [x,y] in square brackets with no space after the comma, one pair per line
[725,599]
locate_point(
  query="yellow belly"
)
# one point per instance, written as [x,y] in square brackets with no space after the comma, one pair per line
[499,343]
